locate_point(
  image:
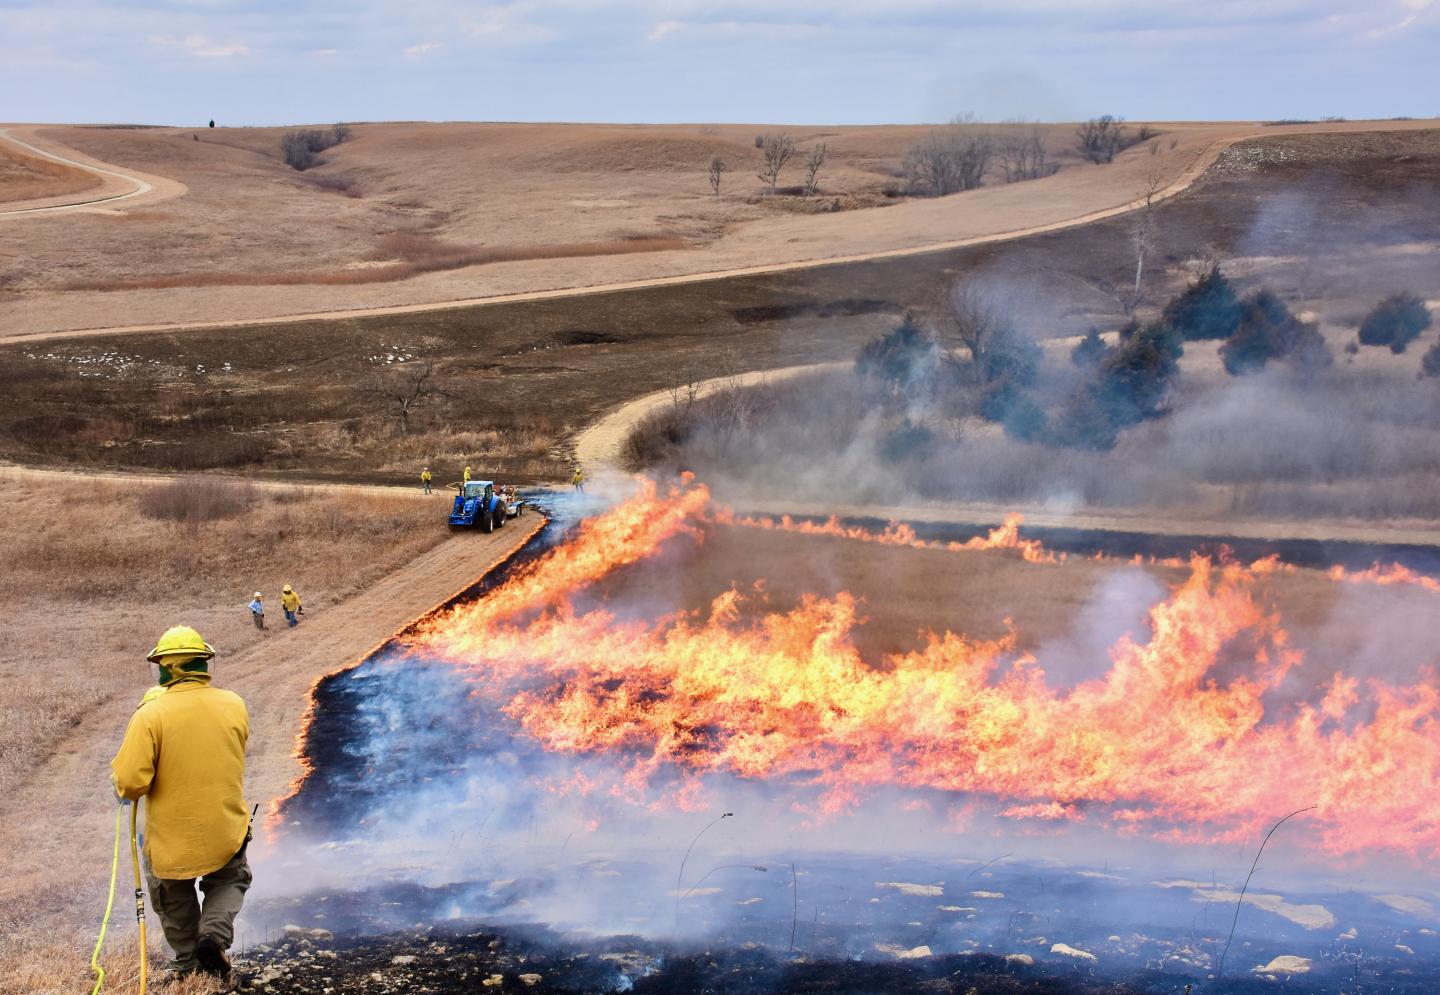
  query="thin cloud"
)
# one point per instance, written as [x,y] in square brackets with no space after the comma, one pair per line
[201,47]
[421,50]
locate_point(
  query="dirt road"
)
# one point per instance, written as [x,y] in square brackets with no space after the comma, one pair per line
[116,186]
[809,242]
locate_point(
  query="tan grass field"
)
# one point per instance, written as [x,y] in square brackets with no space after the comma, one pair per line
[25,177]
[505,196]
[90,583]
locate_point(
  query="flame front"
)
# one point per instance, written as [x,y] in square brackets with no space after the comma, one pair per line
[1158,744]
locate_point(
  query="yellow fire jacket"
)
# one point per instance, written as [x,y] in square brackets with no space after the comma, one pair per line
[185,752]
[290,602]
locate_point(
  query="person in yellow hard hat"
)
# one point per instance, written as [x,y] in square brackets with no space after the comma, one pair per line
[578,480]
[465,477]
[290,605]
[425,477]
[184,752]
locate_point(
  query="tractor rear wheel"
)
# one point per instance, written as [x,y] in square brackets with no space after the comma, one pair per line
[489,522]
[500,517]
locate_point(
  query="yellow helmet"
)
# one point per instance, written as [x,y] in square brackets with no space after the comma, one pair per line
[180,640]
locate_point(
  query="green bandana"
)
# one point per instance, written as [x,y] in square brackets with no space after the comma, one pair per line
[177,669]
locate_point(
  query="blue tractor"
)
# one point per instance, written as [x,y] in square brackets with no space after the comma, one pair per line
[477,503]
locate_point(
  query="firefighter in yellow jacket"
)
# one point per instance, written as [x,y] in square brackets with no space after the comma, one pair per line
[184,752]
[290,605]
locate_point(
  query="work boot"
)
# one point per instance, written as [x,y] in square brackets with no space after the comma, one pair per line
[211,957]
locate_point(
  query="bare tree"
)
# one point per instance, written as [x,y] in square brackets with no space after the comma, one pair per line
[777,151]
[813,162]
[994,347]
[950,160]
[1144,231]
[969,320]
[1023,155]
[403,390]
[718,168]
[1100,138]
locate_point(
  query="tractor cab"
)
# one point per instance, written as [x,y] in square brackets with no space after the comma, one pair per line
[476,504]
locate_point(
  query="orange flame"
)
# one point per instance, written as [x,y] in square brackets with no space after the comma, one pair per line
[1386,576]
[1159,743]
[1005,536]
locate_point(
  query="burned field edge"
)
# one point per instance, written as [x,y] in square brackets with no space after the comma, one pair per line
[463,956]
[333,788]
[286,399]
[1317,554]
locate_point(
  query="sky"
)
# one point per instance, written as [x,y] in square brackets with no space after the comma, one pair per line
[276,62]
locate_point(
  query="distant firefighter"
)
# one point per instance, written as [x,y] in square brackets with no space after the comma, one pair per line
[425,477]
[290,605]
[578,481]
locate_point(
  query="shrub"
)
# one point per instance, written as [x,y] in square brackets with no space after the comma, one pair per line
[1013,357]
[301,148]
[908,441]
[906,360]
[1396,321]
[1430,362]
[1090,350]
[1132,382]
[1083,422]
[949,161]
[1099,138]
[1269,331]
[656,439]
[1207,309]
[195,500]
[1026,420]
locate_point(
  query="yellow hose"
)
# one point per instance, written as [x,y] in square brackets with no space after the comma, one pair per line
[109,904]
[139,892]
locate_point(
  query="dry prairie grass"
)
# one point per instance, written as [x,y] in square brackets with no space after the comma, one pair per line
[85,557]
[24,177]
[418,256]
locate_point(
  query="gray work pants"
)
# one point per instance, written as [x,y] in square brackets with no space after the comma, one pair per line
[185,917]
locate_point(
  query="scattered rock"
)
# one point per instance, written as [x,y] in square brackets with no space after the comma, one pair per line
[530,980]
[1284,964]
[897,951]
[494,981]
[1066,950]
[403,959]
